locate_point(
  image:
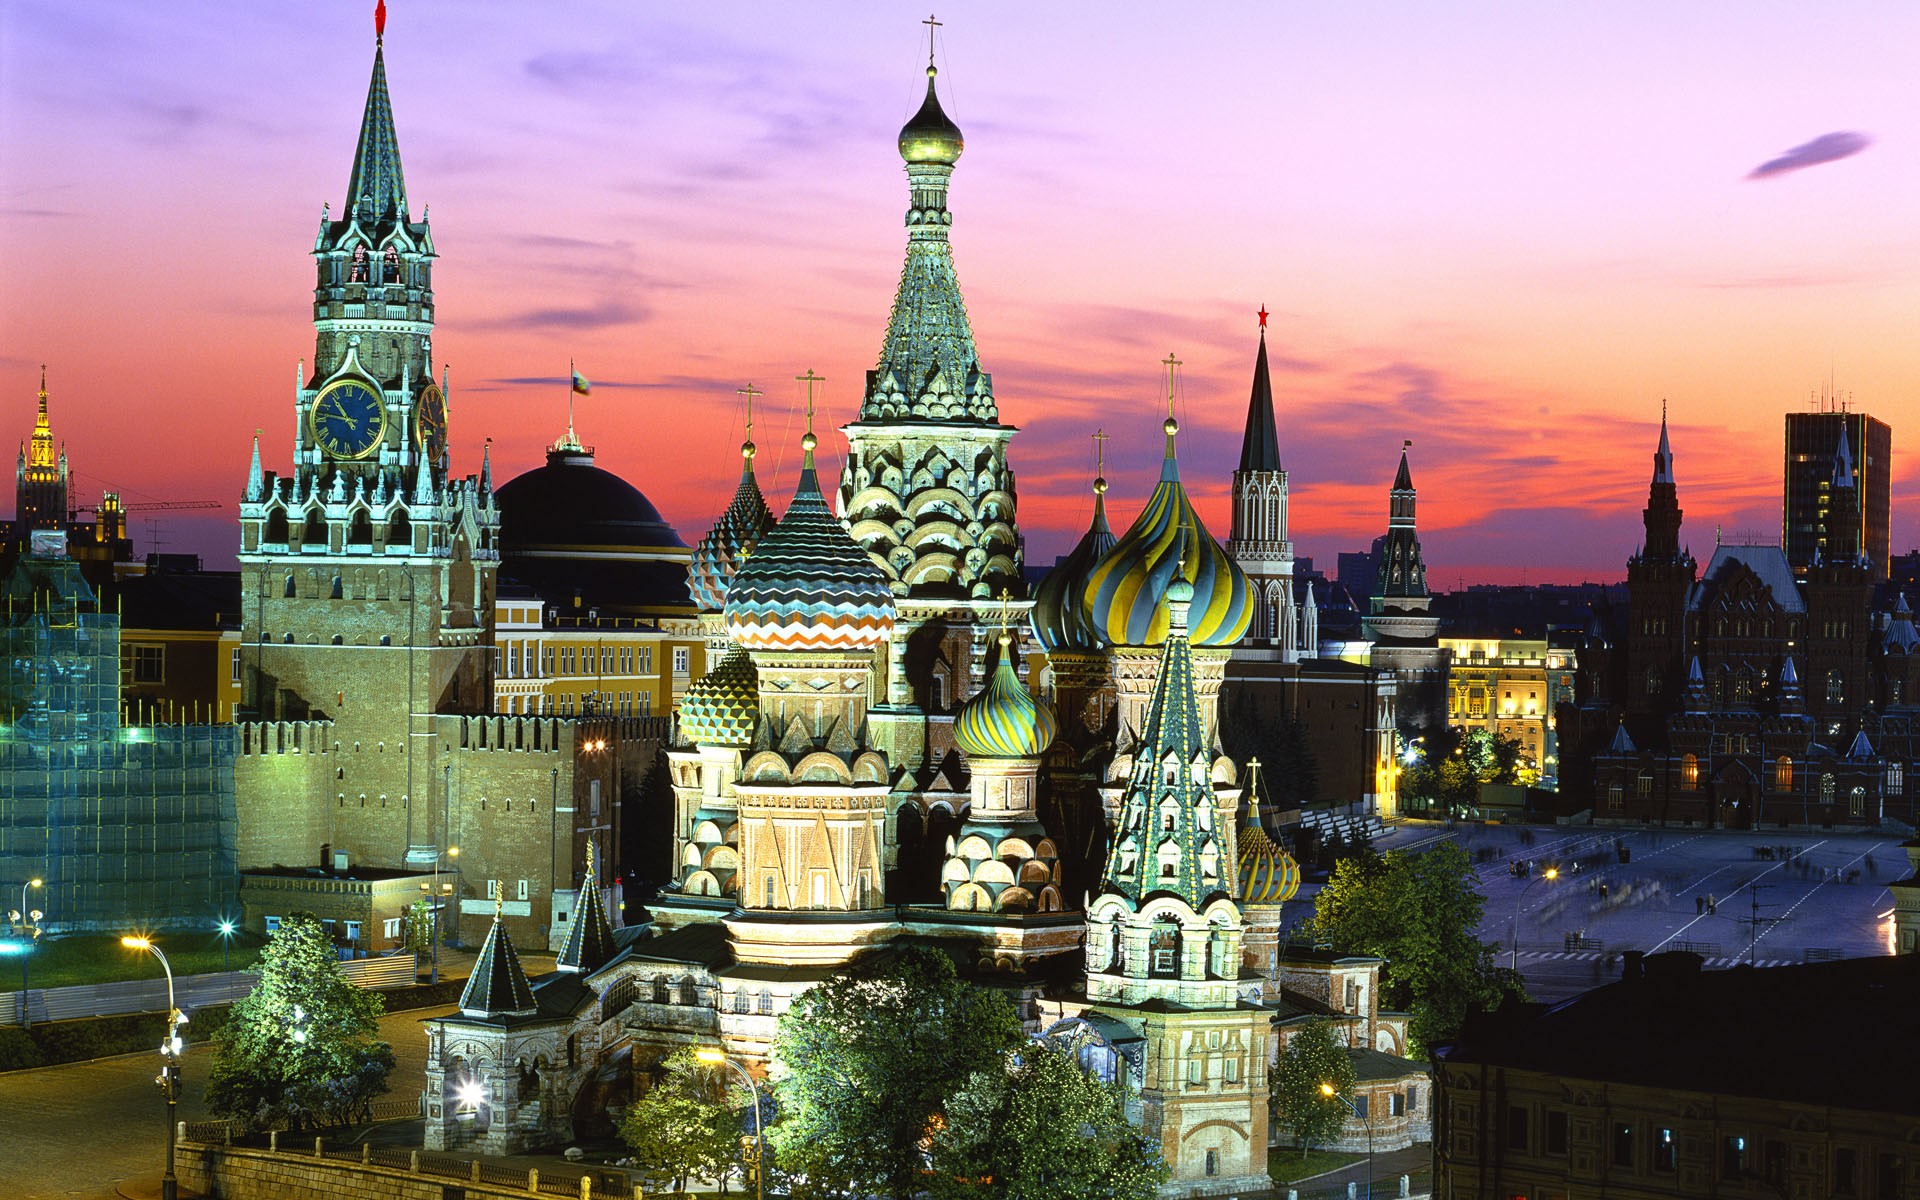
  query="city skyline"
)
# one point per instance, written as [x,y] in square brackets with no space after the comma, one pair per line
[1515,286]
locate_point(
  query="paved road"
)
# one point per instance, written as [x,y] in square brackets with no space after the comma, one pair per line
[1805,905]
[78,1129]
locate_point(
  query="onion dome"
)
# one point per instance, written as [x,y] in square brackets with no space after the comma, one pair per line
[731,539]
[1060,619]
[721,708]
[1268,874]
[808,585]
[1123,592]
[931,137]
[1004,720]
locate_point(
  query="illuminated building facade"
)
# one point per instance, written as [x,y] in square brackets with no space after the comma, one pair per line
[1808,528]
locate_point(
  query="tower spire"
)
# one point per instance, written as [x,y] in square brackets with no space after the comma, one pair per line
[1663,457]
[1260,444]
[808,441]
[1172,425]
[376,189]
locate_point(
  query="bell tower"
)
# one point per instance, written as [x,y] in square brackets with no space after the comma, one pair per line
[367,571]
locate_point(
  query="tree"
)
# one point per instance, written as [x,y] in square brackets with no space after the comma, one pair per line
[302,1048]
[684,1125]
[419,926]
[862,1065]
[1038,1126]
[1313,1056]
[1420,911]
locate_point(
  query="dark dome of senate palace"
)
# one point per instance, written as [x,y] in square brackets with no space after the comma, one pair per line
[573,532]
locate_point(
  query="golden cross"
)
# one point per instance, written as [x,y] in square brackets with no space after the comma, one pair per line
[749,392]
[499,897]
[1170,363]
[810,379]
[1253,785]
[1100,437]
[931,25]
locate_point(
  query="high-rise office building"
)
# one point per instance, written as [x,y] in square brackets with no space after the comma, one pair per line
[1811,441]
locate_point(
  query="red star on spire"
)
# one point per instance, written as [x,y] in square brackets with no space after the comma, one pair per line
[1263,316]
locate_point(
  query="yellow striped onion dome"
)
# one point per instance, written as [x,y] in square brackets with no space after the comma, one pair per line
[722,707]
[1004,720]
[731,539]
[808,585]
[1059,617]
[1268,874]
[1123,593]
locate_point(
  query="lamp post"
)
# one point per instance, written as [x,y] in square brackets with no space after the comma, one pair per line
[1513,960]
[170,1046]
[714,1056]
[226,945]
[1326,1089]
[435,899]
[28,921]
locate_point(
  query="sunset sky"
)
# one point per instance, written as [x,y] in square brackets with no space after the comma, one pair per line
[1505,231]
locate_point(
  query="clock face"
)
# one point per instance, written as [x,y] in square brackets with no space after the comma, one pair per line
[430,423]
[347,419]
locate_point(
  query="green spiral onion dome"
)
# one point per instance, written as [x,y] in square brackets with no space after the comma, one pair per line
[930,136]
[1004,720]
[1060,619]
[722,707]
[731,539]
[1268,874]
[1123,593]
[808,585]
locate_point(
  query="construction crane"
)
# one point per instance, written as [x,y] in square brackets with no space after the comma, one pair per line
[112,501]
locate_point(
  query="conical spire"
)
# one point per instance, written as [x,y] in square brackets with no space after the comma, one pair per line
[498,986]
[1403,571]
[40,451]
[1842,459]
[376,190]
[256,477]
[1663,457]
[1403,478]
[929,368]
[590,941]
[1260,445]
[1165,843]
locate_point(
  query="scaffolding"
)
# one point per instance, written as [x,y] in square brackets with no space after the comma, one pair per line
[127,824]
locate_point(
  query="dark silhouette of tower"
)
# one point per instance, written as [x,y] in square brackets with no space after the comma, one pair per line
[1658,580]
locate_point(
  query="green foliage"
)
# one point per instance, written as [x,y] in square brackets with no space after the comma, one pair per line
[75,959]
[1448,776]
[1419,911]
[863,1063]
[1288,769]
[683,1126]
[419,927]
[1313,1056]
[1038,1127]
[51,1042]
[301,1049]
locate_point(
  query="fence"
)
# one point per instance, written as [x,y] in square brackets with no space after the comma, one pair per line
[190,992]
[344,1170]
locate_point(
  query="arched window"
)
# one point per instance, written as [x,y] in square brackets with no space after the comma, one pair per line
[1857,802]
[1643,785]
[1163,950]
[1653,681]
[1827,788]
[277,527]
[1836,687]
[1783,774]
[1616,797]
[1689,771]
[1896,779]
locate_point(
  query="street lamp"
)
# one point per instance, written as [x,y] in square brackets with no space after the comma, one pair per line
[170,1046]
[436,890]
[31,883]
[1327,1089]
[714,1056]
[28,921]
[226,945]
[1513,960]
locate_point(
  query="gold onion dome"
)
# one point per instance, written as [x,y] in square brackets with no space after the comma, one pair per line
[1268,874]
[730,541]
[1060,620]
[1122,594]
[808,585]
[931,137]
[1004,720]
[722,708]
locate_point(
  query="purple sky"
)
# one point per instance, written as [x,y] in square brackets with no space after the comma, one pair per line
[1505,231]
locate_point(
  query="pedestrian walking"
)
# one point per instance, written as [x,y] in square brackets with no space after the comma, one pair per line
[1699,904]
[1711,906]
